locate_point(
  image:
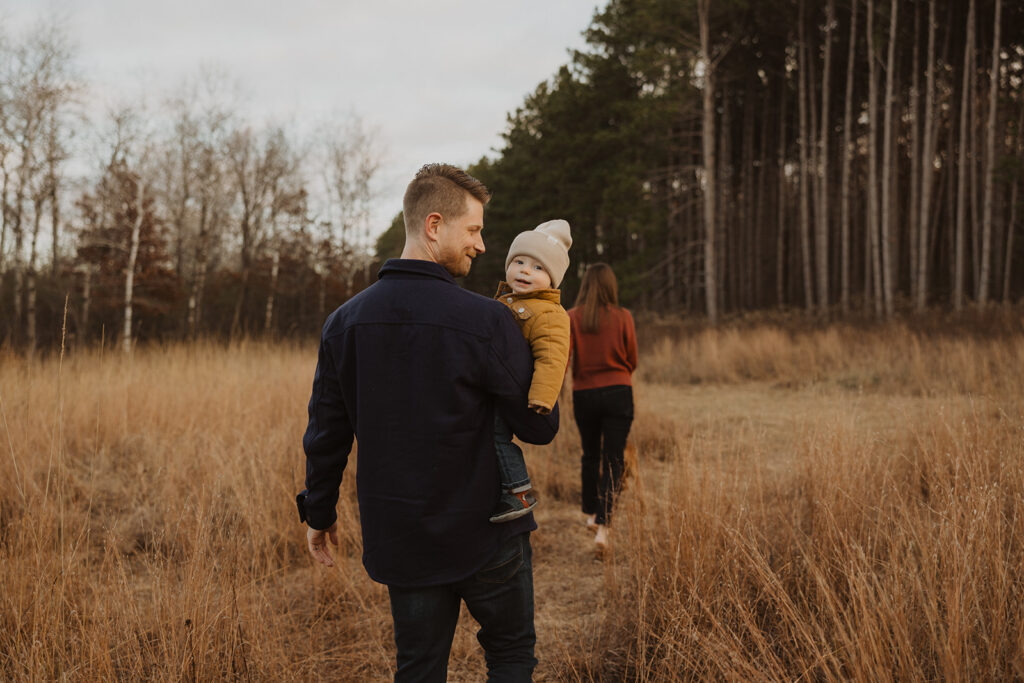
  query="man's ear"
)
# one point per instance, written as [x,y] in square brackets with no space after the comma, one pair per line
[432,226]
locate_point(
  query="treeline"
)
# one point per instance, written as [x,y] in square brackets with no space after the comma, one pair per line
[170,220]
[835,156]
[841,155]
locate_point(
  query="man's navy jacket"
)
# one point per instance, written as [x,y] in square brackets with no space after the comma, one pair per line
[414,367]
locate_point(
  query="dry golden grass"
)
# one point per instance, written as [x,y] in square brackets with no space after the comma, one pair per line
[891,359]
[148,529]
[828,505]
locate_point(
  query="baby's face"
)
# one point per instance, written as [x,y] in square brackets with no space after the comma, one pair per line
[526,274]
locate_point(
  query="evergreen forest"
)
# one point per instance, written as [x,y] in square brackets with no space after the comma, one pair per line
[834,156]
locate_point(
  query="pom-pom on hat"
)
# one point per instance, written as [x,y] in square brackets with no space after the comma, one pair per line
[548,243]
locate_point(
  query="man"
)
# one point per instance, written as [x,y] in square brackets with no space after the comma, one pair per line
[415,367]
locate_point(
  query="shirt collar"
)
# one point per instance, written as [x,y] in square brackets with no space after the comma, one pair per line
[550,294]
[397,267]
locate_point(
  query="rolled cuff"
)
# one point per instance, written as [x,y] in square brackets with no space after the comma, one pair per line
[315,519]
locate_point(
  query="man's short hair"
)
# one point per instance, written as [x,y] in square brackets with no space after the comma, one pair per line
[440,188]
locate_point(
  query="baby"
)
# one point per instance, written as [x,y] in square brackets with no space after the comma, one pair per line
[534,268]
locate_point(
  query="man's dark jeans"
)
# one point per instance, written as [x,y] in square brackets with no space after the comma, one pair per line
[500,598]
[603,416]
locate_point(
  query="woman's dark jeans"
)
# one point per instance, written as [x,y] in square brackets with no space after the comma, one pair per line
[500,598]
[603,416]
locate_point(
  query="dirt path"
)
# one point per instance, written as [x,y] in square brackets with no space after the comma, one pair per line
[728,423]
[569,589]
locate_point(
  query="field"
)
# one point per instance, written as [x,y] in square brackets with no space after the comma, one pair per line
[829,504]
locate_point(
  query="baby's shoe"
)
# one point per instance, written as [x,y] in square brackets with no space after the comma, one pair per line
[513,505]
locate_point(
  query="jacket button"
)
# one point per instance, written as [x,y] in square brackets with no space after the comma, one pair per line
[522,310]
[509,299]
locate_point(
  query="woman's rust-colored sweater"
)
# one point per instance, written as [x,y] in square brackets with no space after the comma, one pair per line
[605,358]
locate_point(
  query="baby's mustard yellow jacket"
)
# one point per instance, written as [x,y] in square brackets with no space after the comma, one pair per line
[545,324]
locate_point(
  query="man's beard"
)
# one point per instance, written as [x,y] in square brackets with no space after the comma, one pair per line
[456,263]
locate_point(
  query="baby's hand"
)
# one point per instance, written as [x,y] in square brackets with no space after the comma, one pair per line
[542,410]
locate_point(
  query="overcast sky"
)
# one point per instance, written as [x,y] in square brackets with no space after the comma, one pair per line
[434,79]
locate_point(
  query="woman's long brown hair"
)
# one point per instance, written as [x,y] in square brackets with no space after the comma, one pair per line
[598,290]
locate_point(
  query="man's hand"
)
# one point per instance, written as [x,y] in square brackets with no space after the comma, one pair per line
[316,541]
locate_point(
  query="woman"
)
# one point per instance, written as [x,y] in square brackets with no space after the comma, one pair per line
[604,356]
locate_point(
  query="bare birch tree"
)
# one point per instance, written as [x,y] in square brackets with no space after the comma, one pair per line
[130,152]
[44,194]
[27,112]
[129,270]
[289,204]
[349,167]
[37,87]
[213,200]
[257,162]
[39,197]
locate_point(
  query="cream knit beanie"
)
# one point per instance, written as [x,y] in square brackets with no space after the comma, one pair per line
[548,243]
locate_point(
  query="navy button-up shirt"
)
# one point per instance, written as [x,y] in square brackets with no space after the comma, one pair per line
[414,368]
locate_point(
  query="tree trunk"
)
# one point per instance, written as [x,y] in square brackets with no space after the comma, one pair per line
[86,302]
[725,265]
[181,206]
[4,212]
[805,218]
[19,283]
[129,270]
[19,243]
[236,318]
[887,164]
[844,227]
[950,179]
[757,248]
[822,225]
[246,252]
[959,277]
[1013,212]
[54,226]
[1009,242]
[780,247]
[30,278]
[708,138]
[743,262]
[927,166]
[914,142]
[274,270]
[195,298]
[695,213]
[52,154]
[321,299]
[872,206]
[974,158]
[990,156]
